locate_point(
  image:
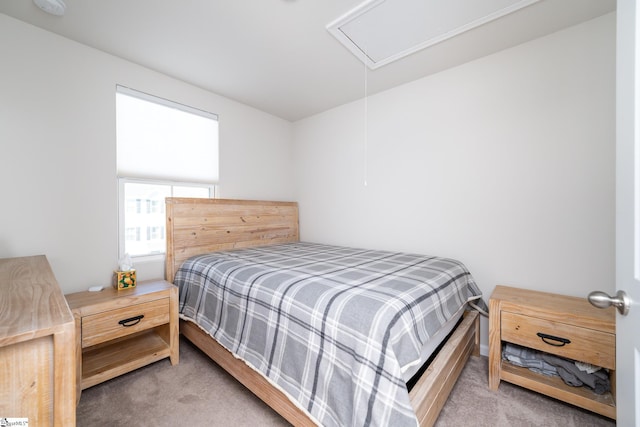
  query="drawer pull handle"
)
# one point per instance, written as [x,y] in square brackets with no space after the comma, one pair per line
[554,341]
[131,321]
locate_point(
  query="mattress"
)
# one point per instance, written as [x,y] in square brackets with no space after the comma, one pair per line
[336,329]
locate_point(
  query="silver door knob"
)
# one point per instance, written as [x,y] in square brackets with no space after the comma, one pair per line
[602,300]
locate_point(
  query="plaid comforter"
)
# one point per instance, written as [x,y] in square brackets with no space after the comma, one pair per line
[330,326]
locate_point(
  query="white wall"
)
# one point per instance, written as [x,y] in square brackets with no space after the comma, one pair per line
[505,163]
[57,141]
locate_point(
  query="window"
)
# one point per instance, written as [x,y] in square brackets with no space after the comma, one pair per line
[143,227]
[164,149]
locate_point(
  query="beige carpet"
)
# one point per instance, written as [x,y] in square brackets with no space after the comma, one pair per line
[199,393]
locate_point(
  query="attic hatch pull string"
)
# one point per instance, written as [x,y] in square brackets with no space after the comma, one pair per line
[366,123]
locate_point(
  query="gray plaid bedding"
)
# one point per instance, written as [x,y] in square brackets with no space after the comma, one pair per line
[330,326]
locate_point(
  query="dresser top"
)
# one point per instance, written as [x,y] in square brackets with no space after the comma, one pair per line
[31,302]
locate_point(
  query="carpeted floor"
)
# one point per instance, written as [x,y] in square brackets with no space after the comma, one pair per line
[197,392]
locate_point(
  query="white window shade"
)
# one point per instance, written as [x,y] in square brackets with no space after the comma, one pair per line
[163,140]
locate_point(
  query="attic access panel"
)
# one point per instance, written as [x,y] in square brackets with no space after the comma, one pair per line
[381,31]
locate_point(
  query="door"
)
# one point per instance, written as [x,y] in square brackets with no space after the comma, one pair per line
[628,213]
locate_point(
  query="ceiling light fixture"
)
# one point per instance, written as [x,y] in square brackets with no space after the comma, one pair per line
[381,31]
[53,7]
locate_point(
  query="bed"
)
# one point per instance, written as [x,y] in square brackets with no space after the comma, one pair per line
[318,358]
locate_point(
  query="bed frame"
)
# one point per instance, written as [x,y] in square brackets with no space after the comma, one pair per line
[197,226]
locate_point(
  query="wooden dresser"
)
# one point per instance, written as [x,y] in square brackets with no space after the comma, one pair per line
[37,351]
[564,326]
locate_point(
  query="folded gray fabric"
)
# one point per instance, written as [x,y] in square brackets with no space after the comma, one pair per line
[568,377]
[528,358]
[572,375]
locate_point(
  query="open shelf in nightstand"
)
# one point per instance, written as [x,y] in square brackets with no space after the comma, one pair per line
[102,362]
[555,387]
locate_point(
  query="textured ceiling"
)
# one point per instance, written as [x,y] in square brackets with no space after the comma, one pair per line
[277,55]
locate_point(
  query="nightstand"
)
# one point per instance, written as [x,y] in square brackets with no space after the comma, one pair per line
[565,326]
[119,331]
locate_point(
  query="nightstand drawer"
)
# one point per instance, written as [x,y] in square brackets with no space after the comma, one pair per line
[565,340]
[101,327]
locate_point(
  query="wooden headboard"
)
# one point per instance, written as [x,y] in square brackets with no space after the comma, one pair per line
[198,226]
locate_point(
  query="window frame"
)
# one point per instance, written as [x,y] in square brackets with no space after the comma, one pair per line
[122,207]
[137,164]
